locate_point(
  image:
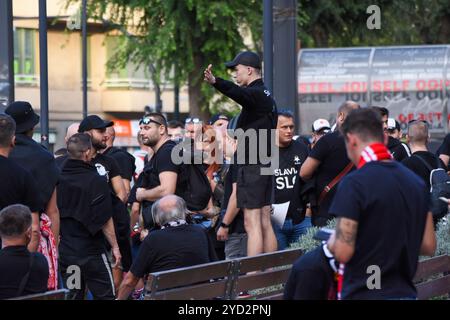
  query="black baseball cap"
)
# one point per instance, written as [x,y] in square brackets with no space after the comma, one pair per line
[93,122]
[246,58]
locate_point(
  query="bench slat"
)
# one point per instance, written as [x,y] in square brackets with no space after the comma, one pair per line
[431,266]
[269,260]
[196,292]
[189,275]
[433,288]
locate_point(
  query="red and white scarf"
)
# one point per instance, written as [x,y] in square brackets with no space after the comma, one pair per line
[47,246]
[374,152]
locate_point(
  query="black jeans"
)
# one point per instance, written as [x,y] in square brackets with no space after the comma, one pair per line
[95,273]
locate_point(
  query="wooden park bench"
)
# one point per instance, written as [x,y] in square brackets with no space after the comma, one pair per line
[225,279]
[433,278]
[60,294]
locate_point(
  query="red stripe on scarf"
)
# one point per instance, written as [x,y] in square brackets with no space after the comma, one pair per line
[374,152]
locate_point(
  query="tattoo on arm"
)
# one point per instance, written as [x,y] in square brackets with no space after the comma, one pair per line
[346,230]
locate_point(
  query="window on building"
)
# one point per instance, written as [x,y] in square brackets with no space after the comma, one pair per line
[24,57]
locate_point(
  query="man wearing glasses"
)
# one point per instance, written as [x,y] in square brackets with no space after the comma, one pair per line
[254,190]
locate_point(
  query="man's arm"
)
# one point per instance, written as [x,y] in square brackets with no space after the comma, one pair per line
[168,186]
[119,188]
[342,242]
[230,214]
[134,214]
[308,168]
[53,213]
[428,246]
[110,235]
[35,232]
[127,286]
[127,185]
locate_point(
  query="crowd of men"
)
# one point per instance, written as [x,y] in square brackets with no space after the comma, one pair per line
[118,217]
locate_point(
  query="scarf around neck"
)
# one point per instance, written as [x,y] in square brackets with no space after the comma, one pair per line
[374,152]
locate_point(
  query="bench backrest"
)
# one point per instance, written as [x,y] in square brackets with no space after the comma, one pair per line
[223,279]
[438,269]
[60,294]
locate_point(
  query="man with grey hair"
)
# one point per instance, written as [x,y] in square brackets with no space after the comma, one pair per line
[21,272]
[176,245]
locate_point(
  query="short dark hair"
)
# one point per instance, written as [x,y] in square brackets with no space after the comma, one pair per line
[7,130]
[158,117]
[78,144]
[365,123]
[382,111]
[285,113]
[14,220]
[175,124]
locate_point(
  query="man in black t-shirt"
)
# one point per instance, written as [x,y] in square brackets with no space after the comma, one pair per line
[399,150]
[292,154]
[418,140]
[125,161]
[21,272]
[444,150]
[325,162]
[258,115]
[20,186]
[176,245]
[160,173]
[108,168]
[86,209]
[383,221]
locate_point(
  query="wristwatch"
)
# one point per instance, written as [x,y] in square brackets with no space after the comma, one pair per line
[224,225]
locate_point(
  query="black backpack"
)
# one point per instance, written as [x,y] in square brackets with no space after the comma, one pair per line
[440,187]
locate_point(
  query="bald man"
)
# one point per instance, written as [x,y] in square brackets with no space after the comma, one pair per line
[61,155]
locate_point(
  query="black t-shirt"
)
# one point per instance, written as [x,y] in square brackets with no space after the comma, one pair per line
[445,146]
[390,204]
[107,167]
[125,161]
[311,277]
[291,159]
[398,149]
[171,248]
[18,186]
[330,151]
[237,225]
[85,206]
[257,112]
[14,265]
[419,168]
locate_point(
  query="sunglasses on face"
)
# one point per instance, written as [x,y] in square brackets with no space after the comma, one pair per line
[146,121]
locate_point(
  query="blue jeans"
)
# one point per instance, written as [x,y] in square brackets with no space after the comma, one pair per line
[290,232]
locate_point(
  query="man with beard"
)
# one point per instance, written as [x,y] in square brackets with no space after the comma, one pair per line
[160,173]
[109,169]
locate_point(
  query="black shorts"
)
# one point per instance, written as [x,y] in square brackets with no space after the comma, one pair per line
[254,190]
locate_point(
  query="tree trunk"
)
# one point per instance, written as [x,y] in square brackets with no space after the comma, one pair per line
[319,36]
[198,106]
[444,30]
